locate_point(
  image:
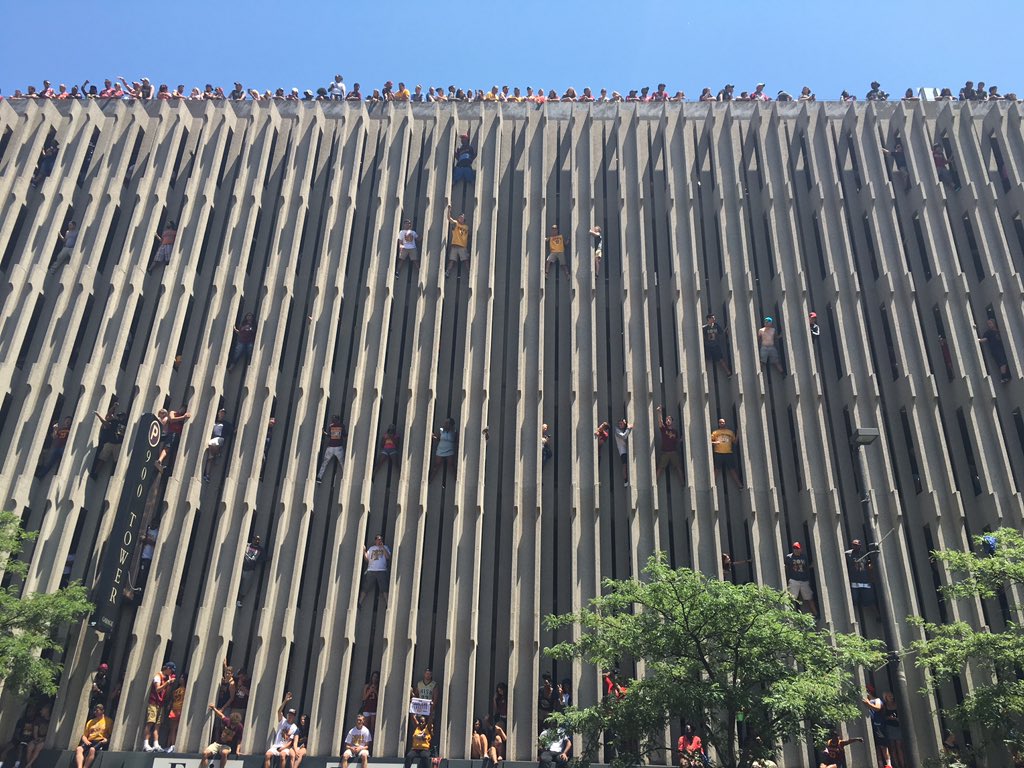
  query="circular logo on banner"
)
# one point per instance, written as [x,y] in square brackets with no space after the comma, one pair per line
[154,433]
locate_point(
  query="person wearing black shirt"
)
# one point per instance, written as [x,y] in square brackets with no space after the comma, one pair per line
[798,571]
[465,154]
[994,339]
[713,336]
[861,570]
[252,561]
[112,430]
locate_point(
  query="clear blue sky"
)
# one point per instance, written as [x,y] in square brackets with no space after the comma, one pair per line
[828,45]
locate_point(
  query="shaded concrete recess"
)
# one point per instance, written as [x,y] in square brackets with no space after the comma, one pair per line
[293,211]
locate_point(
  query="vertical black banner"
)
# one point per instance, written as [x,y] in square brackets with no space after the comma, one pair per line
[113,575]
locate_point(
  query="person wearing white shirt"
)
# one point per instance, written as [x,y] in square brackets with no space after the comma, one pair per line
[336,90]
[357,743]
[377,558]
[284,734]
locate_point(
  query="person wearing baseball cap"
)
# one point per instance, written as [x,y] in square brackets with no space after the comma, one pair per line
[798,571]
[284,733]
[812,321]
[767,336]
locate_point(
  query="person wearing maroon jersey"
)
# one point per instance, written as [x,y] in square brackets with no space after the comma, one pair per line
[669,446]
[245,339]
[158,688]
[59,433]
[337,436]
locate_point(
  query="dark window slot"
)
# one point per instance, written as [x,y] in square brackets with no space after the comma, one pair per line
[185,325]
[869,241]
[1000,163]
[12,244]
[768,244]
[1018,227]
[89,152]
[947,146]
[933,567]
[224,156]
[287,332]
[908,439]
[894,364]
[178,158]
[922,248]
[947,353]
[134,158]
[270,160]
[854,165]
[129,340]
[203,248]
[831,323]
[192,547]
[83,327]
[33,324]
[255,240]
[816,226]
[108,244]
[794,438]
[972,243]
[5,142]
[972,465]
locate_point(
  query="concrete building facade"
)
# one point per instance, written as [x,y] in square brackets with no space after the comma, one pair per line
[292,211]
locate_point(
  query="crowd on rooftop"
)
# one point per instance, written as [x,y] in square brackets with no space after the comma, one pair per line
[336,90]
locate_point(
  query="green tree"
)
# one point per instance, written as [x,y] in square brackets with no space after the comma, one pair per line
[28,622]
[714,653]
[995,706]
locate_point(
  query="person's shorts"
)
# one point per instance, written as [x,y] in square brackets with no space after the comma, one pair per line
[623,457]
[216,748]
[408,253]
[725,460]
[672,458]
[800,590]
[163,253]
[348,754]
[171,441]
[274,750]
[389,452]
[878,732]
[770,355]
[863,595]
[556,258]
[714,351]
[216,442]
[447,454]
[153,714]
[464,173]
[379,579]
[459,252]
[598,253]
[1000,358]
[97,747]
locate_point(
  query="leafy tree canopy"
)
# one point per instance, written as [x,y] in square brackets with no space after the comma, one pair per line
[712,652]
[28,622]
[996,703]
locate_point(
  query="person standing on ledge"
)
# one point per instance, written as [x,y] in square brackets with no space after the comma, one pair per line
[767,341]
[556,243]
[465,154]
[723,442]
[459,240]
[994,339]
[595,232]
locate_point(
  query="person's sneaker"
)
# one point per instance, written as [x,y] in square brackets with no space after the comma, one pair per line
[170,748]
[626,483]
[206,478]
[319,480]
[147,747]
[238,604]
[157,747]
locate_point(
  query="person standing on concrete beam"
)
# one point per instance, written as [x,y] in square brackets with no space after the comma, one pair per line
[994,340]
[408,240]
[557,244]
[798,571]
[714,334]
[337,437]
[465,154]
[669,446]
[459,250]
[767,341]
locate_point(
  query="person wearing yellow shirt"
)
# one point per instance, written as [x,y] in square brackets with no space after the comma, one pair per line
[556,251]
[492,95]
[420,744]
[95,737]
[459,240]
[723,441]
[402,94]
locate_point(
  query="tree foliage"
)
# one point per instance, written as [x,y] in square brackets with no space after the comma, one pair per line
[712,652]
[996,703]
[28,622]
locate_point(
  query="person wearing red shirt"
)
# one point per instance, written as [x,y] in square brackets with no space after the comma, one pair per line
[389,446]
[158,688]
[690,749]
